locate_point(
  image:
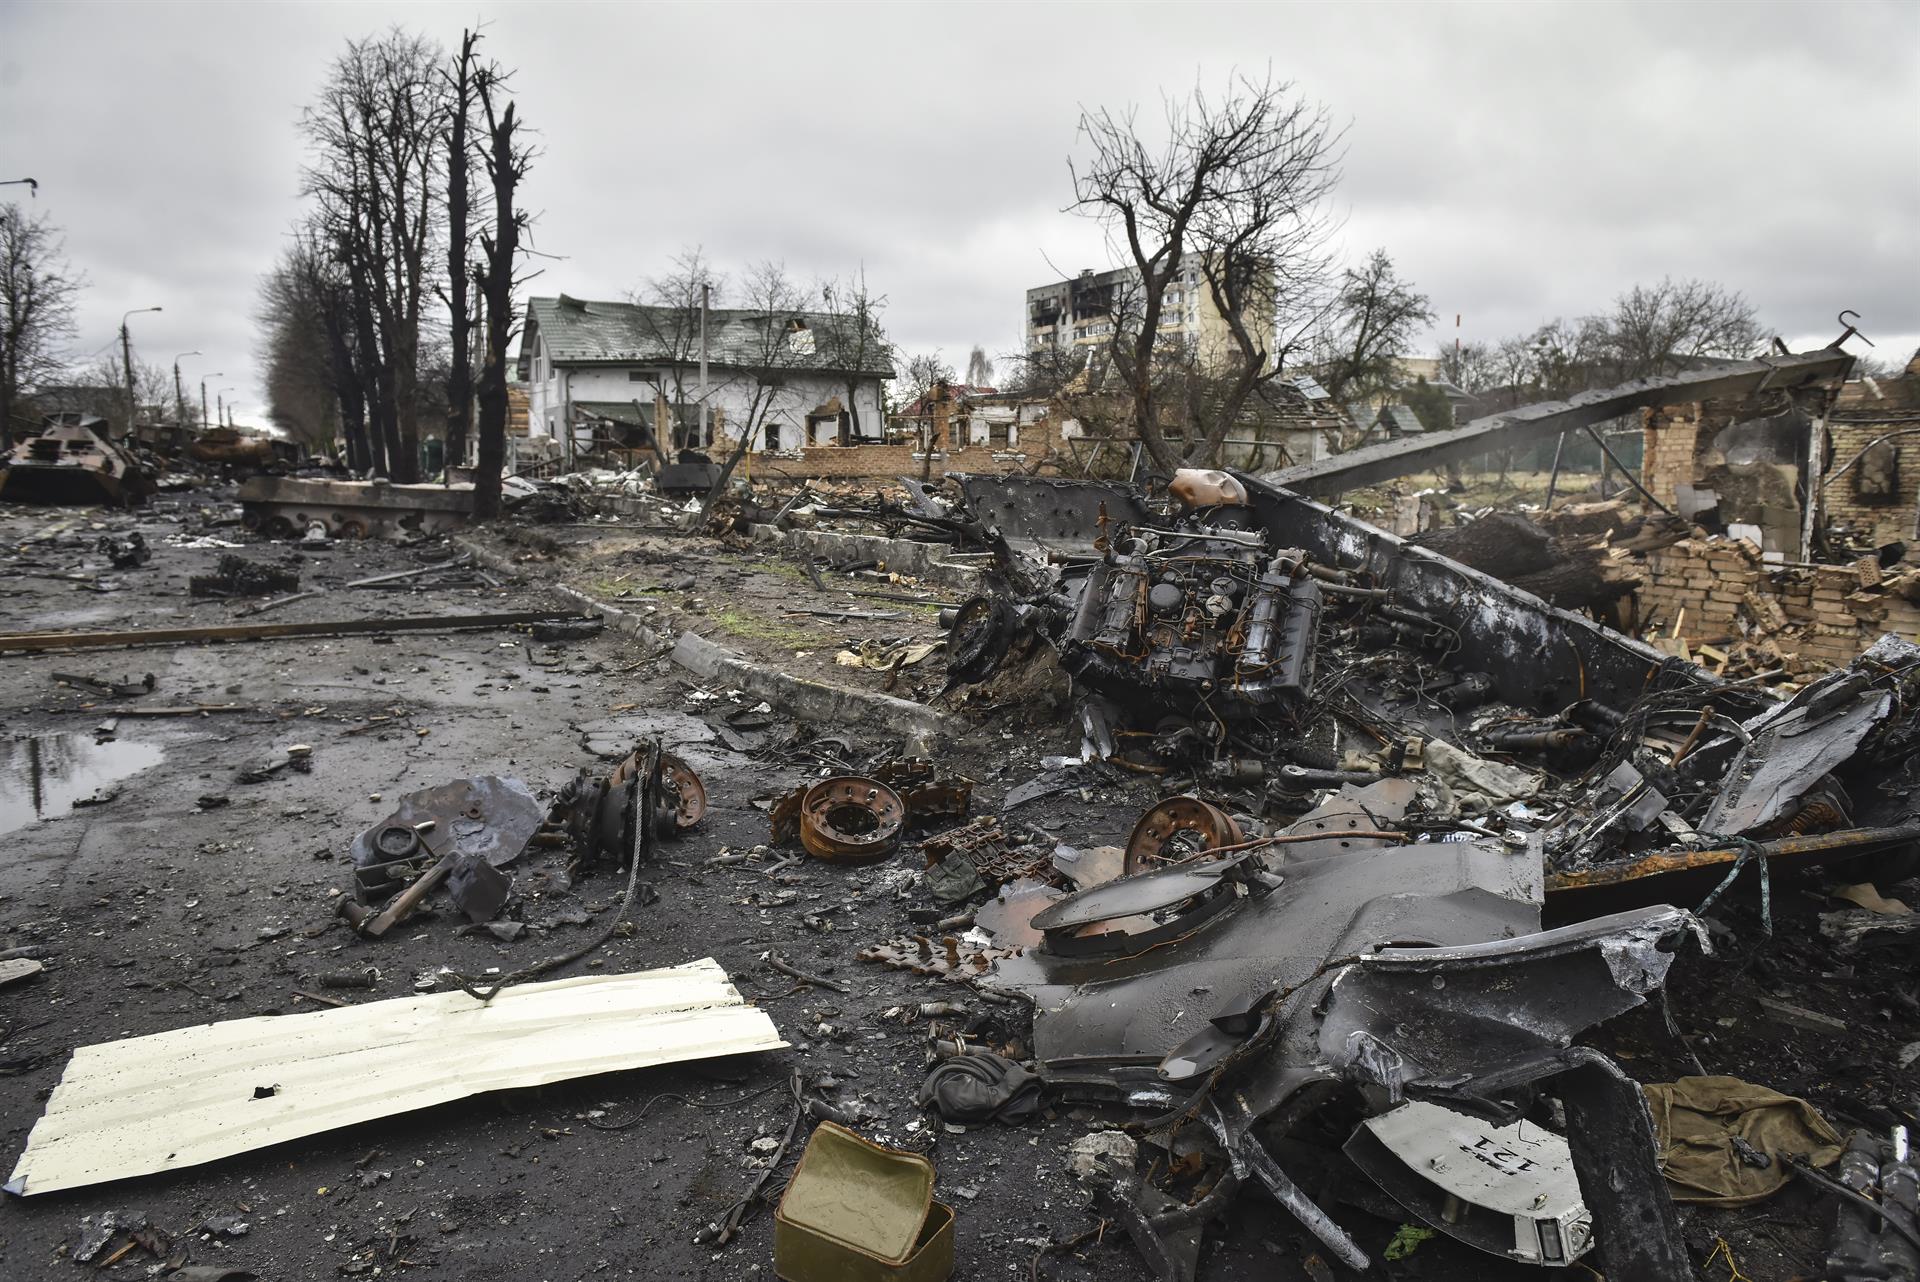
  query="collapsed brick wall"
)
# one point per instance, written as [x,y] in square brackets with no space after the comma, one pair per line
[1824,614]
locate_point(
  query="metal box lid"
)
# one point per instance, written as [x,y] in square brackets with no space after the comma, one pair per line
[870,1198]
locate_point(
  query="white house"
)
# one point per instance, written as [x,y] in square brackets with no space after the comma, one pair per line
[791,379]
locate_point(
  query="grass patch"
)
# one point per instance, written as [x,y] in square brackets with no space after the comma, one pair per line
[752,626]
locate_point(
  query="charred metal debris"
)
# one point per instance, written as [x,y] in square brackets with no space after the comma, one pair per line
[1380,768]
[468,834]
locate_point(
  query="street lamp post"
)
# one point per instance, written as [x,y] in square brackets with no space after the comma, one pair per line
[220,407]
[203,396]
[126,359]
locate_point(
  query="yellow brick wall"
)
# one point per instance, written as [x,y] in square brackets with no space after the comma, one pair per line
[1726,593]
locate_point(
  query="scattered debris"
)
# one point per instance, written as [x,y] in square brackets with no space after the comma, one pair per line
[237,576]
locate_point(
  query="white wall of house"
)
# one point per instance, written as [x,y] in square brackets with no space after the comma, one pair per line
[550,390]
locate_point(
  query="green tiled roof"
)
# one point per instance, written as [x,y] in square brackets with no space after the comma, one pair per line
[579,332]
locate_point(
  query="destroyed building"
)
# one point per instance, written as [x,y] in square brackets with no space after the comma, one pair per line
[633,370]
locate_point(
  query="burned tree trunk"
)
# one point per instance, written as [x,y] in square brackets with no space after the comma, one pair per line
[507,161]
[460,372]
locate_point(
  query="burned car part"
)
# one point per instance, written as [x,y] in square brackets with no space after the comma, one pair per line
[599,814]
[983,630]
[284,506]
[487,816]
[1180,616]
[237,576]
[1875,1238]
[126,553]
[1508,1190]
[71,460]
[850,819]
[1178,829]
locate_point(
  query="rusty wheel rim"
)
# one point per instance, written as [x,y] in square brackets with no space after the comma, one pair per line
[1176,830]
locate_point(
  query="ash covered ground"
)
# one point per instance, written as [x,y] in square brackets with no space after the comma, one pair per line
[161,906]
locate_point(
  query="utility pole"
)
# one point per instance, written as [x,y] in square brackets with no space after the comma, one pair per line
[179,392]
[705,292]
[203,397]
[126,360]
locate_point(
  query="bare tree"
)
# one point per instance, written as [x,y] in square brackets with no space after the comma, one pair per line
[459,202]
[1469,366]
[853,341]
[1375,321]
[507,158]
[670,315]
[917,374]
[1567,357]
[778,342]
[379,135]
[1231,192]
[37,289]
[1658,329]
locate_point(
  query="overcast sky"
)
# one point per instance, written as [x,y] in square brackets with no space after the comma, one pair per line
[1520,161]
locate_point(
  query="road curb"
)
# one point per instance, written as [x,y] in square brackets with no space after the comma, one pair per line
[924,561]
[922,727]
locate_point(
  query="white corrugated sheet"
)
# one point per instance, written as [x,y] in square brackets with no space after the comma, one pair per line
[177,1099]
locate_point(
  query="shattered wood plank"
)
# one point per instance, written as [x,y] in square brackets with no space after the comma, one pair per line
[196,1094]
[28,642]
[1814,849]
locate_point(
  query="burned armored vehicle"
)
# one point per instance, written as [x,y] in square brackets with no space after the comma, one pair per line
[1423,832]
[70,460]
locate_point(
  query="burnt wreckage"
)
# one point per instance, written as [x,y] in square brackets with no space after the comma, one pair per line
[1385,769]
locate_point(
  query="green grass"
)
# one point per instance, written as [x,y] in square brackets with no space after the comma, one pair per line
[741,624]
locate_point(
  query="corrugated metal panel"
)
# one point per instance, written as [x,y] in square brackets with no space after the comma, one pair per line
[188,1096]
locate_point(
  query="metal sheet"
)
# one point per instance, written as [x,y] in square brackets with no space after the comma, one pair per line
[196,1094]
[1372,464]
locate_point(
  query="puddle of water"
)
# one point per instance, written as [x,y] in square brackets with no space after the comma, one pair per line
[43,775]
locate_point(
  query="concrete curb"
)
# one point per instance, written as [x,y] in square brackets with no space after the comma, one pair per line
[925,561]
[922,727]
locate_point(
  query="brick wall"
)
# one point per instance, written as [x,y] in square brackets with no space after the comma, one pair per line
[1825,615]
[1672,436]
[1879,520]
[884,462]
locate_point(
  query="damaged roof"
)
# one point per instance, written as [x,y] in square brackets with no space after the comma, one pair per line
[591,332]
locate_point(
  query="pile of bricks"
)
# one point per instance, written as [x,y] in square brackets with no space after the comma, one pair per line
[1715,593]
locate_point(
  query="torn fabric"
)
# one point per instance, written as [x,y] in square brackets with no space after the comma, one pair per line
[1703,1124]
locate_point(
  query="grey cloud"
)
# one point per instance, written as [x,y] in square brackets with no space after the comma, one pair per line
[1520,162]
